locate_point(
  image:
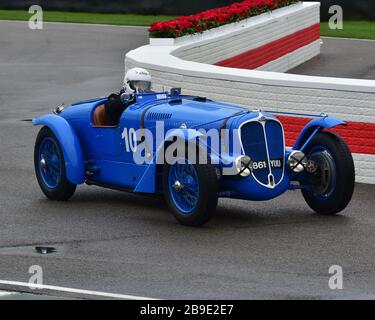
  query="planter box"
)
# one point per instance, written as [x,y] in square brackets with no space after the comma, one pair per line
[232,27]
[274,41]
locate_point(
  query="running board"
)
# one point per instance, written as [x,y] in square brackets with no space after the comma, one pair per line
[118,188]
[107,186]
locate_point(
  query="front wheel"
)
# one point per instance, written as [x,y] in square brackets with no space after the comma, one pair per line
[330,188]
[50,167]
[191,191]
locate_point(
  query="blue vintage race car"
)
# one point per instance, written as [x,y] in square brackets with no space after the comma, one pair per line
[193,150]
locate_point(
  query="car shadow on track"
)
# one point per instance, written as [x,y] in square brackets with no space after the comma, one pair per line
[229,214]
[240,218]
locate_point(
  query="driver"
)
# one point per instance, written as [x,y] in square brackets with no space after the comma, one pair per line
[136,80]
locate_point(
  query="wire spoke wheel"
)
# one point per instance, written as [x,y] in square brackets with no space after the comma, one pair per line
[49,163]
[329,190]
[191,190]
[324,179]
[184,187]
[50,168]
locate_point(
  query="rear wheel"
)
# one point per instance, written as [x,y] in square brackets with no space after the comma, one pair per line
[50,167]
[191,191]
[329,190]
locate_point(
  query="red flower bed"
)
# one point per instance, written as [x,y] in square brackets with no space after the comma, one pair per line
[209,19]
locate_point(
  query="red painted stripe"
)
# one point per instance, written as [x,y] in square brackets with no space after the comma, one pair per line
[271,51]
[360,136]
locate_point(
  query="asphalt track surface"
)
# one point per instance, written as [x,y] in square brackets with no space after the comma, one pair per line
[343,58]
[126,244]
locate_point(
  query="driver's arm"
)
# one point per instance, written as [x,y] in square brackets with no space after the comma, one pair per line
[114,109]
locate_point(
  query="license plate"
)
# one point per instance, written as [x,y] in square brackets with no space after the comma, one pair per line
[263,165]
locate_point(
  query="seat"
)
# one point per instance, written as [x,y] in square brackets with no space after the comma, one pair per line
[108,115]
[100,118]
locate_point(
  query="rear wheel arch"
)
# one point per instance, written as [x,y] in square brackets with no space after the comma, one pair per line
[70,145]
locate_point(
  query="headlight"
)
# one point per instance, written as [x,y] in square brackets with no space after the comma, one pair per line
[244,166]
[297,161]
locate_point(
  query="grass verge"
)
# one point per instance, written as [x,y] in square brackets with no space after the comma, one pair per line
[352,29]
[83,17]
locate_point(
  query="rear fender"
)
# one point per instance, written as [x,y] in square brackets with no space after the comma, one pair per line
[313,127]
[70,145]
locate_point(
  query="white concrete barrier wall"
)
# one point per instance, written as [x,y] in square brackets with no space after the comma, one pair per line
[227,42]
[350,100]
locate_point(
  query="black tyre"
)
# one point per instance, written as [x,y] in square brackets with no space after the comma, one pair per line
[191,191]
[50,167]
[329,190]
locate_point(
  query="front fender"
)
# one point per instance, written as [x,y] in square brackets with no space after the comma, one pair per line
[315,126]
[70,145]
[148,182]
[191,135]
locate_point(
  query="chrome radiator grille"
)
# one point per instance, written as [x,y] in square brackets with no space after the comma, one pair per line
[264,142]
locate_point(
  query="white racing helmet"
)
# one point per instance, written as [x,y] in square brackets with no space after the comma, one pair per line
[137,80]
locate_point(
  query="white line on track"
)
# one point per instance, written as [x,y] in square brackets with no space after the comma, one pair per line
[6,294]
[71,290]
